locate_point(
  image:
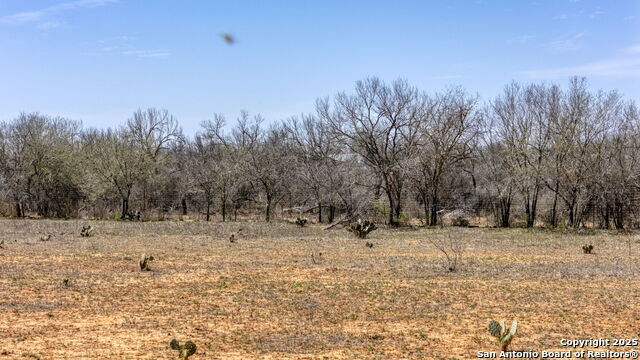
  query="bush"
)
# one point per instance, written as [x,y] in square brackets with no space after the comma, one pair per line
[456,218]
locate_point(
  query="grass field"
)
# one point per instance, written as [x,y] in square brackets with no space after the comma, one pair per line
[272,295]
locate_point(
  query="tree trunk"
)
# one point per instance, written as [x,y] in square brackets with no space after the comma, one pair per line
[125,208]
[534,206]
[434,210]
[208,210]
[390,220]
[319,213]
[505,212]
[19,212]
[531,207]
[605,213]
[554,209]
[331,213]
[618,216]
[144,197]
[224,210]
[571,210]
[267,215]
[184,206]
[397,209]
[425,204]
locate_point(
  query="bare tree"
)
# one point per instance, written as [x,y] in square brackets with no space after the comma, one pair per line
[448,135]
[379,123]
[578,138]
[115,158]
[264,155]
[37,162]
[154,131]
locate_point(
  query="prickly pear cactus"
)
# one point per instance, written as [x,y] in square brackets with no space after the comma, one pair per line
[361,228]
[301,221]
[587,249]
[86,231]
[184,351]
[144,262]
[48,237]
[502,333]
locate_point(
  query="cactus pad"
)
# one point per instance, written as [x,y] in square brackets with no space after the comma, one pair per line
[184,351]
[502,333]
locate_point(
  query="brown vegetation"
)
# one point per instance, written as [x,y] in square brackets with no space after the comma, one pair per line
[537,154]
[265,297]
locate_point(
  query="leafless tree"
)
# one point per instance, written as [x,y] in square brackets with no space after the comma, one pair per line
[448,135]
[379,124]
[114,156]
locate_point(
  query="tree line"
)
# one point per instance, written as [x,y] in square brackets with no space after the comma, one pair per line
[537,154]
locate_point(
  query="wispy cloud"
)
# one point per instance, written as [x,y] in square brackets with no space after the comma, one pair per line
[597,12]
[49,25]
[125,45]
[40,15]
[147,53]
[591,14]
[625,64]
[634,49]
[566,44]
[521,39]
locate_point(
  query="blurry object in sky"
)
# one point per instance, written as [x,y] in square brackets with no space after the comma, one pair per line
[228,38]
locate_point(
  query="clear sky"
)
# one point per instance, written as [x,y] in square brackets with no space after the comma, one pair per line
[99,60]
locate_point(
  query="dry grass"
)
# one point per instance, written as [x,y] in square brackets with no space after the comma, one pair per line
[284,292]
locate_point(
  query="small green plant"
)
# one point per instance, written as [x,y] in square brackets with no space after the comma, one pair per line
[189,348]
[301,221]
[144,262]
[86,231]
[361,228]
[587,249]
[504,335]
[66,282]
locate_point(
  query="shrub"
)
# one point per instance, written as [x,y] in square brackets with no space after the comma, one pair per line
[361,228]
[504,335]
[456,218]
[132,216]
[452,248]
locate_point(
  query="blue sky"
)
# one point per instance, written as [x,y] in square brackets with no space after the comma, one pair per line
[99,60]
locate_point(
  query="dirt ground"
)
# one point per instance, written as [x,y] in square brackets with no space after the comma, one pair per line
[283,292]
